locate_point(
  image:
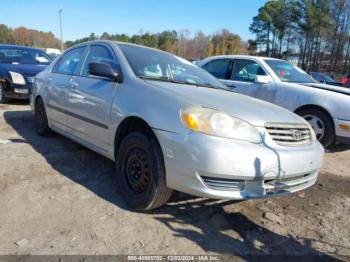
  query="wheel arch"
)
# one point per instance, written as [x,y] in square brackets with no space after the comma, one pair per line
[37,98]
[35,101]
[311,106]
[128,125]
[317,107]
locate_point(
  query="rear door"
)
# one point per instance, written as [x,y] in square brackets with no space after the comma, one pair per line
[60,78]
[90,99]
[220,68]
[242,77]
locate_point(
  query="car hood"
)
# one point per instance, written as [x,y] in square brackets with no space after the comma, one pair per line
[332,88]
[26,70]
[256,112]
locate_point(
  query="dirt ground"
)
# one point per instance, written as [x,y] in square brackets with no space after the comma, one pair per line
[57,197]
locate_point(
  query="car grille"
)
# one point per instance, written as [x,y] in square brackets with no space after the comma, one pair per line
[223,184]
[30,79]
[289,134]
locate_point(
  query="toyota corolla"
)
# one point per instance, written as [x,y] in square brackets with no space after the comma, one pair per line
[170,125]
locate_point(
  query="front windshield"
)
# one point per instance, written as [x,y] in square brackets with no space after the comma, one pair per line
[18,55]
[161,66]
[288,72]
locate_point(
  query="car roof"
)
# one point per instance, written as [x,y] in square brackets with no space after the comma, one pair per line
[256,58]
[117,43]
[18,46]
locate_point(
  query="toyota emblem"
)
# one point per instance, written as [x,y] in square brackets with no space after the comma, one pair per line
[297,135]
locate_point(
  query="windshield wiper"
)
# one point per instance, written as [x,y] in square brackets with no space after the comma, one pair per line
[165,79]
[202,85]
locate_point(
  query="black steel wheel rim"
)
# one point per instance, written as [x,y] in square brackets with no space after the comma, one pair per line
[137,170]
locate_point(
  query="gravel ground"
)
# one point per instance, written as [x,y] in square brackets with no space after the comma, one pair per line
[57,197]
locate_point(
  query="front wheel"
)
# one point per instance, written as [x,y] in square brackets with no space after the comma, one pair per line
[141,172]
[322,125]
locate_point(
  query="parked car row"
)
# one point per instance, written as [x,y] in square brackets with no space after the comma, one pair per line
[170,125]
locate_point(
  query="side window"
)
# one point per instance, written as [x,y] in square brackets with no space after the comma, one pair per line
[246,70]
[69,63]
[218,68]
[99,54]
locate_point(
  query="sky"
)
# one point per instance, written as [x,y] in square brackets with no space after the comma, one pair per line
[82,17]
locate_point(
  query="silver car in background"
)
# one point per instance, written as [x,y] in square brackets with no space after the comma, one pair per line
[169,125]
[325,107]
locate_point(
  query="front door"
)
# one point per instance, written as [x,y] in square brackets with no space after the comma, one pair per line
[90,99]
[242,79]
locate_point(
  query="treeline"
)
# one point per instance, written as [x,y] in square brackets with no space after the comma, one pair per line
[182,43]
[314,32]
[28,37]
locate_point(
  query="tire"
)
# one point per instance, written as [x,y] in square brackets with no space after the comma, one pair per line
[3,99]
[322,125]
[141,172]
[41,123]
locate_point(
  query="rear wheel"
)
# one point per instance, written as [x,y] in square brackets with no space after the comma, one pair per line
[322,125]
[141,172]
[41,122]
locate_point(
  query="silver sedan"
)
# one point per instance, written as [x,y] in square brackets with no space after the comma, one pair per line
[169,125]
[325,107]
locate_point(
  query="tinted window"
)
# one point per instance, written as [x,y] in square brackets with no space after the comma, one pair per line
[16,55]
[288,72]
[218,68]
[157,65]
[99,54]
[69,62]
[246,70]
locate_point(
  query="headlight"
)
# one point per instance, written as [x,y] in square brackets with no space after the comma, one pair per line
[17,78]
[217,123]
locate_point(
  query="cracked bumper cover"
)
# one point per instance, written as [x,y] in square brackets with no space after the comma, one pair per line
[250,170]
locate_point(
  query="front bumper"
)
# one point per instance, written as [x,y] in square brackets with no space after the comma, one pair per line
[214,167]
[342,131]
[18,91]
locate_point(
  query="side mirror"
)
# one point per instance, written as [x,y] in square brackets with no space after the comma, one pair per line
[262,79]
[103,70]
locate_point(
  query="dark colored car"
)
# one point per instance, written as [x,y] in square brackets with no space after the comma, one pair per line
[18,67]
[325,79]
